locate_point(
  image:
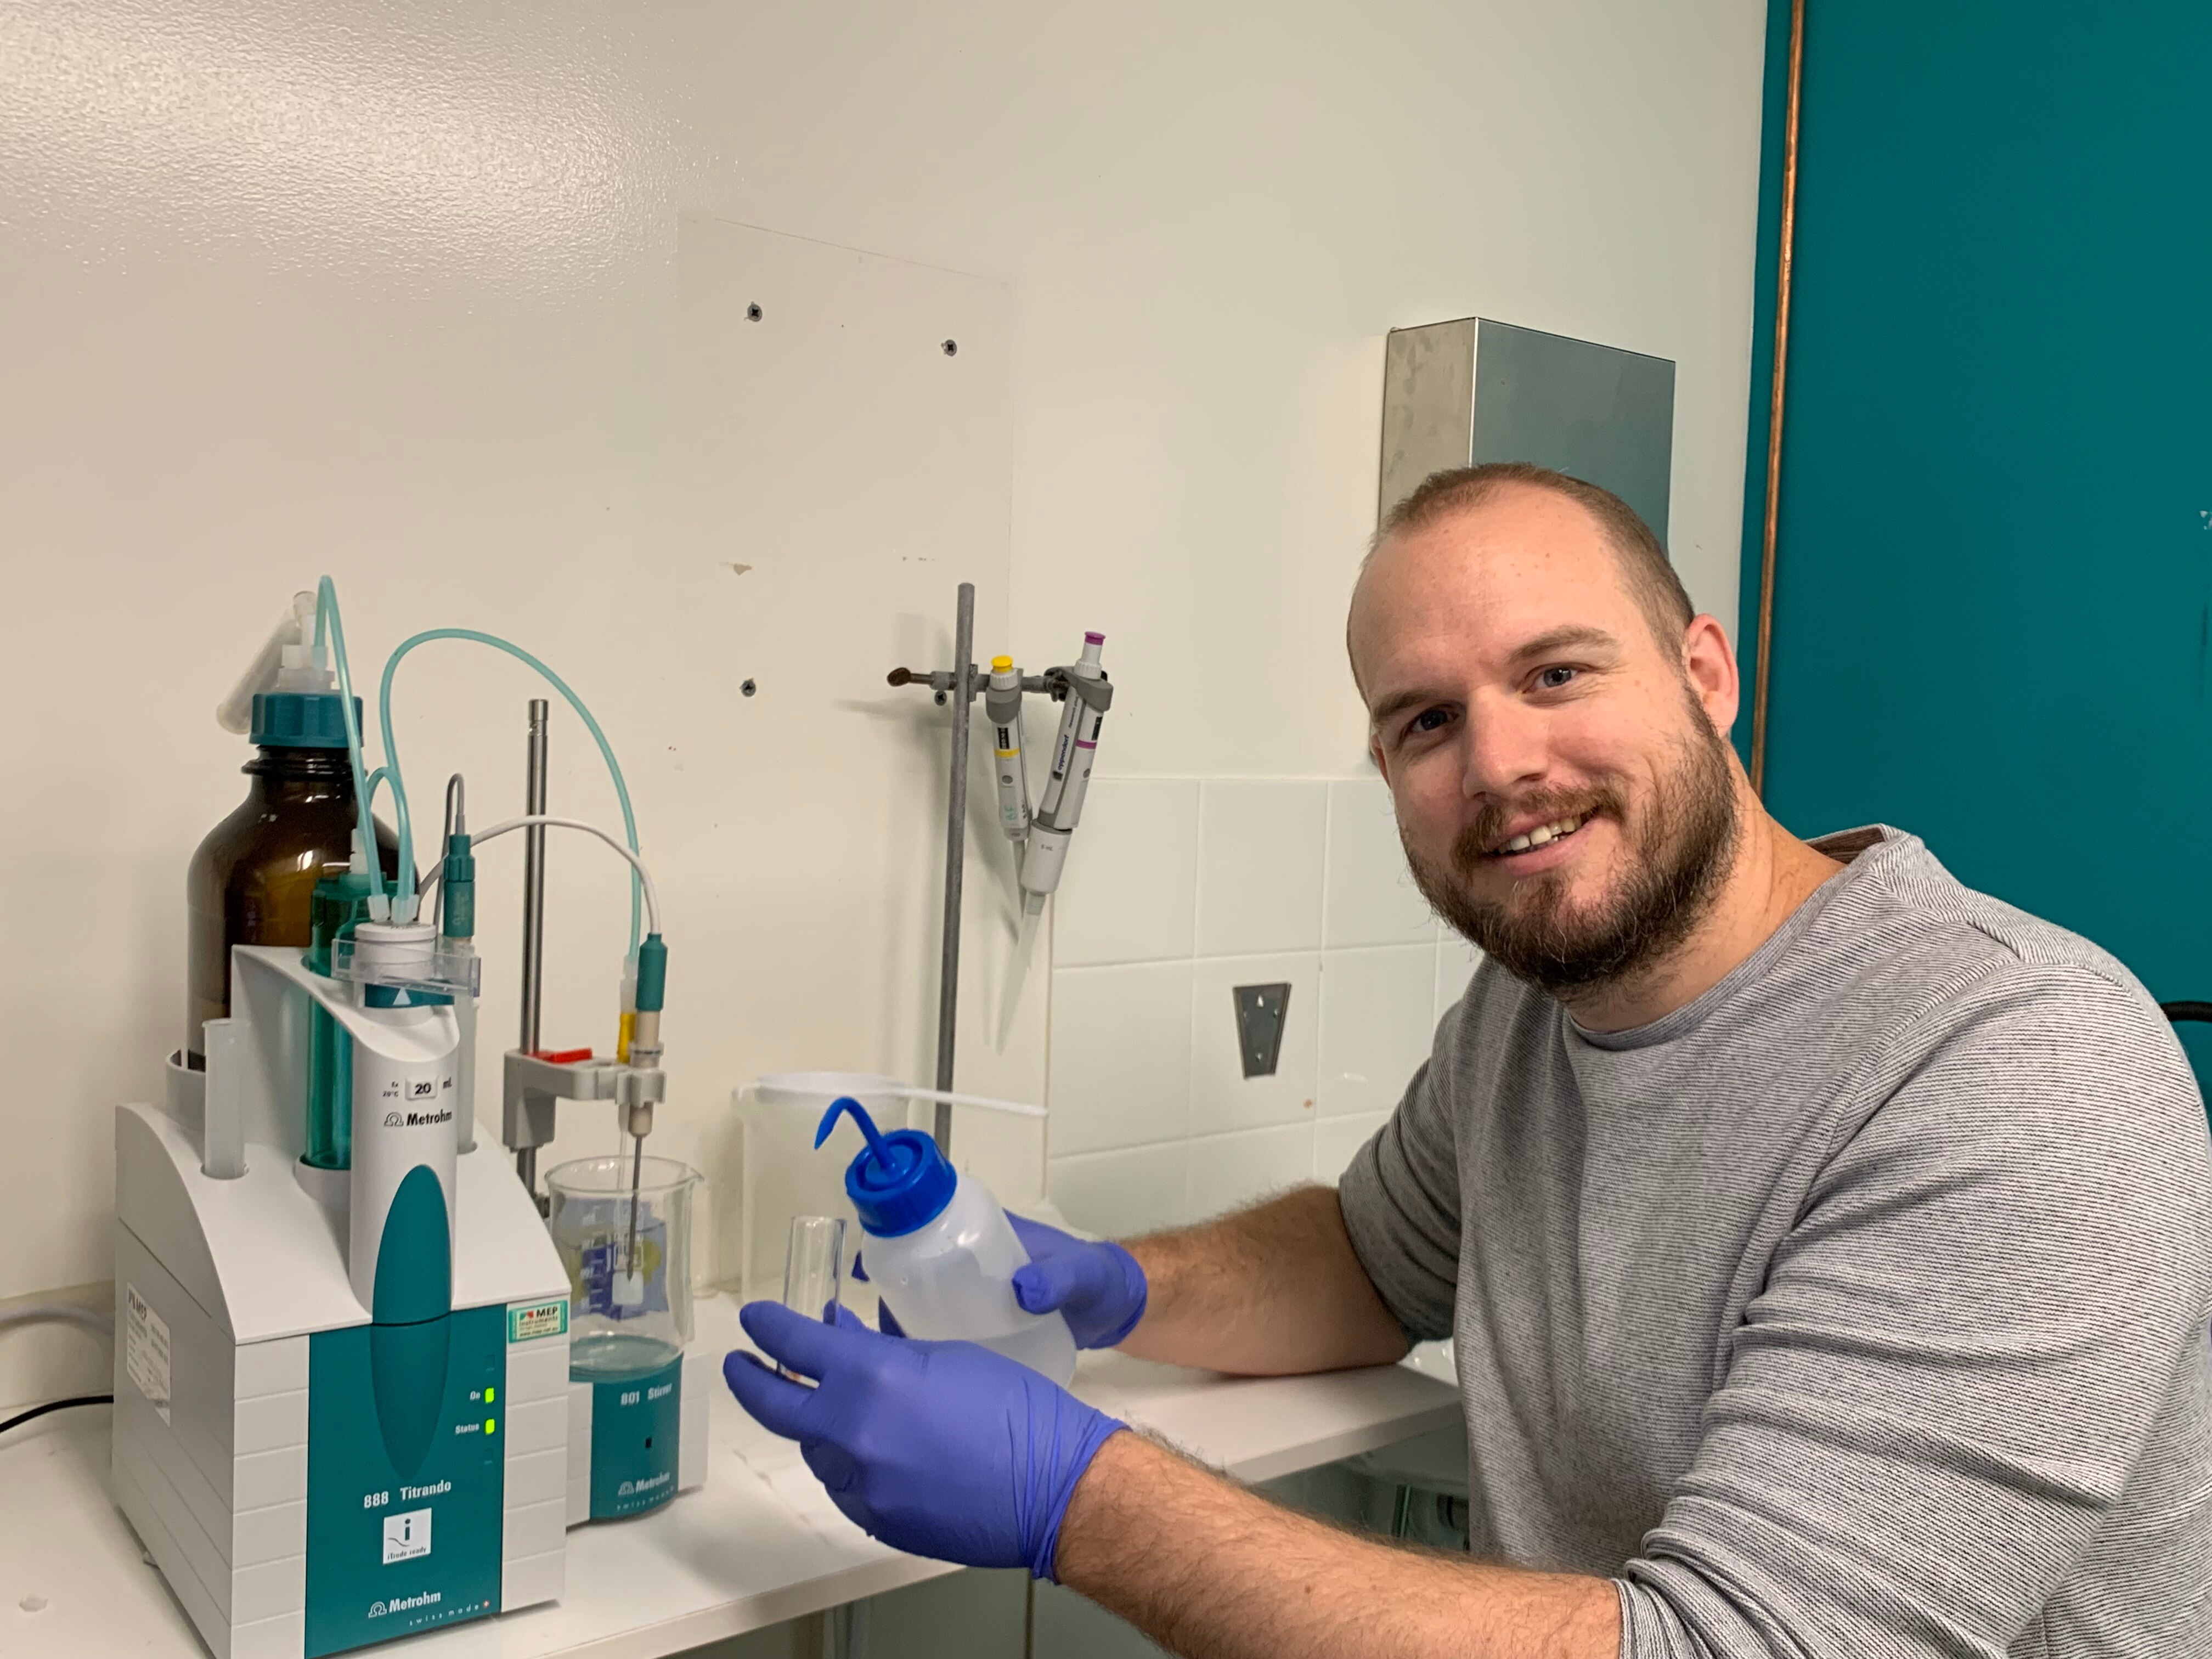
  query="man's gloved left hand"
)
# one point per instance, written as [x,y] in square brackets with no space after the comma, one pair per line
[1097,1288]
[940,1449]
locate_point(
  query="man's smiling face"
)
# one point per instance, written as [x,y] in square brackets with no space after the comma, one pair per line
[1562,788]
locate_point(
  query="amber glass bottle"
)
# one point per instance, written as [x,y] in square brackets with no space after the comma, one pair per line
[253,877]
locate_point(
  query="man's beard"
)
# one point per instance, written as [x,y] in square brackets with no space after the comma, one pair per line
[1681,849]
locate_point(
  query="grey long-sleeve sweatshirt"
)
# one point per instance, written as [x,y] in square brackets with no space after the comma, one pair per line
[1855,1310]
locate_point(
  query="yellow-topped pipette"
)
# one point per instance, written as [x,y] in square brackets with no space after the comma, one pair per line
[1002,706]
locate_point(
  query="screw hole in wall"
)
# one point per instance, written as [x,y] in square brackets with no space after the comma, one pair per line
[749,688]
[951,348]
[752,314]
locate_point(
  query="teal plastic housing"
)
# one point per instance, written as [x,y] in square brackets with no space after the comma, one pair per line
[399,1545]
[460,890]
[636,1424]
[652,975]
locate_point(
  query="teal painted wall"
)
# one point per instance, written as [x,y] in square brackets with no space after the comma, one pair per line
[1993,608]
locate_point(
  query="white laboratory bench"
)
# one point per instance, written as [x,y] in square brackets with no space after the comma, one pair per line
[759,1544]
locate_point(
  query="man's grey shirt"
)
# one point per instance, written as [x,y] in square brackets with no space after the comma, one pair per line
[1857,1307]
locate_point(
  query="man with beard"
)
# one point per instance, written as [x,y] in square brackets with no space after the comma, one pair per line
[1827,1246]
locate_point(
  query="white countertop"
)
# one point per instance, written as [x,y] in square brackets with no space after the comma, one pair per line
[760,1543]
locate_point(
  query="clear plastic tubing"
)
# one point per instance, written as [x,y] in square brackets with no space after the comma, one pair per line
[330,631]
[606,748]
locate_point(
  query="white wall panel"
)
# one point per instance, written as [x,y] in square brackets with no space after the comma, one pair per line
[435,299]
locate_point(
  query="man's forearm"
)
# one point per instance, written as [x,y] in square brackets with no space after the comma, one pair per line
[1213,1571]
[1270,1291]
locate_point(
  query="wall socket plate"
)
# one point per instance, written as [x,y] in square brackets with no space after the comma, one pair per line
[1261,1010]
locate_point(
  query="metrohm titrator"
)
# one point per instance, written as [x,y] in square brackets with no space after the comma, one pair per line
[361,1389]
[1040,837]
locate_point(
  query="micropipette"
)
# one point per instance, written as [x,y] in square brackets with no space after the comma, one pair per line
[1002,704]
[1090,694]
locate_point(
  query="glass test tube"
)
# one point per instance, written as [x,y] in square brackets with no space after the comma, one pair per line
[813,1267]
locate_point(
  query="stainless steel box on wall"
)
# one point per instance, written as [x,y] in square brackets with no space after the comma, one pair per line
[1469,390]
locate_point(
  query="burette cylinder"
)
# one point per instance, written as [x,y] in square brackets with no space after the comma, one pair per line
[340,904]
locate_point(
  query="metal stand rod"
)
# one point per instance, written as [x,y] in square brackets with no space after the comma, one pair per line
[533,912]
[955,848]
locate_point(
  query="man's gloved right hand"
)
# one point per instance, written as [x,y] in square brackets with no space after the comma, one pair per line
[1098,1289]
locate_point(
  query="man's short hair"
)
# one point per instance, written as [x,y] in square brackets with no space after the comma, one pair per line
[1651,578]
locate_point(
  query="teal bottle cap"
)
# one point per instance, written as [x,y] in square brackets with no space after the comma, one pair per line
[301,720]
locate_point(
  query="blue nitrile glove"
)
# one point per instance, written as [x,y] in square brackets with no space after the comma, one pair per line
[1098,1289]
[940,1449]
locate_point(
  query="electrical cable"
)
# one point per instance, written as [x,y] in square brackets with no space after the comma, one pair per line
[640,876]
[22,1418]
[606,748]
[75,1313]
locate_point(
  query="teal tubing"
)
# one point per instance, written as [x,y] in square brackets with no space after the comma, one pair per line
[329,631]
[385,775]
[392,750]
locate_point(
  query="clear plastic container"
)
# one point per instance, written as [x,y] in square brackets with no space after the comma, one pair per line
[940,1251]
[952,1278]
[779,1173]
[628,1261]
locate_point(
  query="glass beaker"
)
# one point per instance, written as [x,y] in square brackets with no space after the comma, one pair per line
[813,1268]
[628,1251]
[785,1174]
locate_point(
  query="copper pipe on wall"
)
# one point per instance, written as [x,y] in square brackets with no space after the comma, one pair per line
[1765,668]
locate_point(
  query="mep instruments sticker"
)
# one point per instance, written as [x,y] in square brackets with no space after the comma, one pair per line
[146,1349]
[541,1319]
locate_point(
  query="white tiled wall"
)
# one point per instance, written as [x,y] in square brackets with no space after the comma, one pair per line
[1262,849]
[1183,889]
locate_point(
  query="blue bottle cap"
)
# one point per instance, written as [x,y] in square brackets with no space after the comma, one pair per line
[899,1182]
